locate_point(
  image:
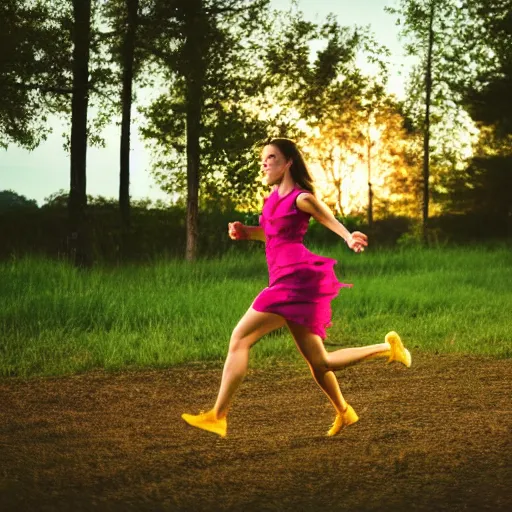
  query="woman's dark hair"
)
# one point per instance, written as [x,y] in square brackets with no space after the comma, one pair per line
[298,169]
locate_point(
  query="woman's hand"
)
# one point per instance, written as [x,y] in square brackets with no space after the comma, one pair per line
[357,241]
[237,231]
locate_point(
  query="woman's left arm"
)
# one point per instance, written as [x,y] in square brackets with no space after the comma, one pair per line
[308,203]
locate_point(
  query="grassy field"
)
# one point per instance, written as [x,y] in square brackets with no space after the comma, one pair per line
[57,320]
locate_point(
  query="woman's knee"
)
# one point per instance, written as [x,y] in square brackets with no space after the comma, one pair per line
[253,326]
[238,341]
[318,364]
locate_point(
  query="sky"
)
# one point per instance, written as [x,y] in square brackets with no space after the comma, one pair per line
[39,173]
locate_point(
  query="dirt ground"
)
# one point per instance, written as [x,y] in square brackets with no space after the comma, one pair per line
[433,437]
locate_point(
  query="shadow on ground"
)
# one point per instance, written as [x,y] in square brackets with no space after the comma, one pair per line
[433,437]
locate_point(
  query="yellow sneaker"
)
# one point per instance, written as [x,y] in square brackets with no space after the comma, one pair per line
[207,421]
[342,420]
[398,351]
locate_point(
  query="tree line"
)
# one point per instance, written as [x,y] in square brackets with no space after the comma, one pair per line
[224,75]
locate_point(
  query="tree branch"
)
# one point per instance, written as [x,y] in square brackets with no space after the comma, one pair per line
[43,88]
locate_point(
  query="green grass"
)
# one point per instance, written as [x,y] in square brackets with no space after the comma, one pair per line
[56,320]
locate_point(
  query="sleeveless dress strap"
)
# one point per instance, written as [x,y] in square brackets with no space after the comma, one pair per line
[296,193]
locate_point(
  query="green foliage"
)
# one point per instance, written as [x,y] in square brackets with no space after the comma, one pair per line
[441,35]
[338,114]
[230,76]
[35,71]
[310,84]
[255,87]
[114,14]
[33,62]
[10,200]
[302,81]
[448,66]
[471,69]
[158,230]
[484,188]
[471,65]
[488,96]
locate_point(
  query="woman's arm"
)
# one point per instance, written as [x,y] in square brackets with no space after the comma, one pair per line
[255,233]
[237,231]
[308,203]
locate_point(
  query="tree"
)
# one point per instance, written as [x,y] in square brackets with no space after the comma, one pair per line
[426,124]
[485,32]
[200,44]
[315,97]
[81,35]
[386,150]
[432,28]
[349,125]
[486,92]
[128,27]
[54,65]
[31,70]
[195,48]
[132,21]
[41,79]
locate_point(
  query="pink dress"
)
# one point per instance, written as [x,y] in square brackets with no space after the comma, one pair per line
[301,284]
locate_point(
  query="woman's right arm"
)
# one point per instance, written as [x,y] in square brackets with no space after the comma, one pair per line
[255,233]
[237,231]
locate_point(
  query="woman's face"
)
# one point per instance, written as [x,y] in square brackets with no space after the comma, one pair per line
[274,164]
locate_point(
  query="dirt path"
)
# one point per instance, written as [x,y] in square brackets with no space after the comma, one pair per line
[434,437]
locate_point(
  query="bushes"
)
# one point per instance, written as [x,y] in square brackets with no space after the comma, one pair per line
[470,227]
[158,232]
[154,233]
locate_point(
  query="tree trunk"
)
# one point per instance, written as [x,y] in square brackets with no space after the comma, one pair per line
[132,7]
[339,196]
[370,191]
[79,241]
[426,136]
[193,158]
[194,76]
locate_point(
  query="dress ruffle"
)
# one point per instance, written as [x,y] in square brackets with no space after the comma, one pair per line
[303,294]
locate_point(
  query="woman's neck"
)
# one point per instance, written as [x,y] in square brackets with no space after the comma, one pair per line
[285,186]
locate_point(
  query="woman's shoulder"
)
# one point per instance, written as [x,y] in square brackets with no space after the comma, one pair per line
[305,201]
[299,191]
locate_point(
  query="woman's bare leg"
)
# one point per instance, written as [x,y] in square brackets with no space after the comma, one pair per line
[252,326]
[323,364]
[312,349]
